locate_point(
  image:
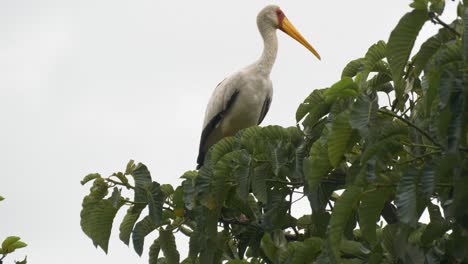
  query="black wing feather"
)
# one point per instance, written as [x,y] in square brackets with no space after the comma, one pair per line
[265,108]
[211,126]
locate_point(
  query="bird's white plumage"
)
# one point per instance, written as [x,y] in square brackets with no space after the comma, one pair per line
[242,98]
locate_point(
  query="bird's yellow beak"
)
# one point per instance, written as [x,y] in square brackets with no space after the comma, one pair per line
[287,27]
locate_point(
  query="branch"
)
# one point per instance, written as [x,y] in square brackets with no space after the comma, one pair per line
[436,20]
[424,133]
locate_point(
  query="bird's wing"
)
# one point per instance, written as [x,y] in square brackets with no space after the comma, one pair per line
[214,115]
[265,108]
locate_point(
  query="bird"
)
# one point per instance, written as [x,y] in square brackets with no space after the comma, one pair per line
[243,98]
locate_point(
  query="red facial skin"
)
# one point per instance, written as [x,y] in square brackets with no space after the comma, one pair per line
[281,17]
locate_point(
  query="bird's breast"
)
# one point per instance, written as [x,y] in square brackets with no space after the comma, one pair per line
[246,110]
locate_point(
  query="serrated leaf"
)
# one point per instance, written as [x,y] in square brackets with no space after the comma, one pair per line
[97,217]
[338,138]
[406,195]
[90,177]
[317,165]
[154,252]
[168,246]
[344,207]
[141,230]
[126,227]
[401,43]
[372,203]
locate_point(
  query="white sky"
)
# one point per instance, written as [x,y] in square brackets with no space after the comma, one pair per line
[87,85]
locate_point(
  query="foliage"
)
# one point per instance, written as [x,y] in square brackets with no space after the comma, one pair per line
[355,158]
[10,245]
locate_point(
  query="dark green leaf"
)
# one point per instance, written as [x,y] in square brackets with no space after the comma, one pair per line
[344,207]
[338,138]
[96,219]
[154,252]
[363,113]
[141,230]
[168,246]
[142,179]
[353,67]
[401,43]
[406,196]
[372,203]
[155,198]
[317,165]
[128,222]
[90,177]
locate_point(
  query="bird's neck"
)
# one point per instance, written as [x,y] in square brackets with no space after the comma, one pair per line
[270,49]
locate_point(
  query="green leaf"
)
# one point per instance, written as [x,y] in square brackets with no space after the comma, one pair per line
[317,165]
[343,209]
[24,261]
[437,6]
[8,244]
[354,248]
[242,173]
[259,186]
[155,198]
[142,179]
[126,227]
[338,138]
[141,230]
[116,197]
[168,246]
[406,196]
[90,177]
[374,55]
[430,47]
[154,252]
[97,217]
[363,113]
[130,167]
[223,147]
[314,107]
[428,180]
[372,203]
[343,88]
[1,198]
[167,189]
[401,43]
[419,4]
[353,68]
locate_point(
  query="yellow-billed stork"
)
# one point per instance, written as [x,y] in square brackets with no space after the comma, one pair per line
[242,100]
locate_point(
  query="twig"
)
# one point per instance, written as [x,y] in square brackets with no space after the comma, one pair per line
[119,183]
[436,20]
[424,133]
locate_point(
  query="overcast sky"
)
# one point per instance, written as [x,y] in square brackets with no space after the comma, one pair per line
[87,85]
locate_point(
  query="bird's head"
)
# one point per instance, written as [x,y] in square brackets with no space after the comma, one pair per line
[273,16]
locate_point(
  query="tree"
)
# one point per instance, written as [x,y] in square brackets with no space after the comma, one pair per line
[354,159]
